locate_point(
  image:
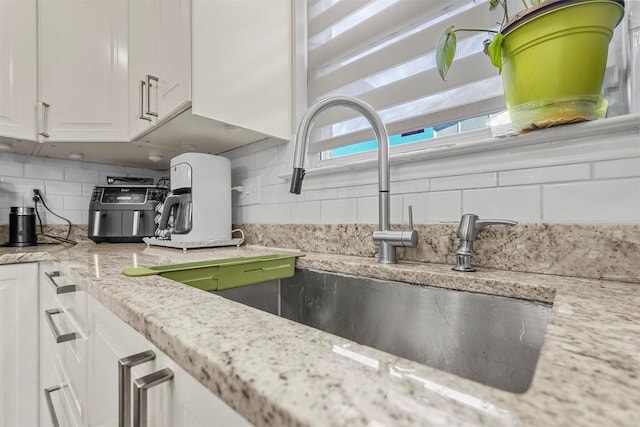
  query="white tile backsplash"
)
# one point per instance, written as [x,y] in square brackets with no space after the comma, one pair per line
[513,203]
[608,201]
[440,206]
[67,184]
[338,211]
[464,181]
[548,174]
[617,168]
[551,180]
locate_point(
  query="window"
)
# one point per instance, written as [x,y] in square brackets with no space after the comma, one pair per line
[383,52]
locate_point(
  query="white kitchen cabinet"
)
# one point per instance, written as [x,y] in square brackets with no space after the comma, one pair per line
[18,76]
[159,61]
[82,70]
[18,345]
[242,64]
[241,78]
[178,402]
[63,349]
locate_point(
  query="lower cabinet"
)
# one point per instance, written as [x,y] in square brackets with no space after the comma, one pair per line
[18,345]
[110,375]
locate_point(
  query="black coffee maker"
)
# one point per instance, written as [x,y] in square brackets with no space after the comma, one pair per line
[22,227]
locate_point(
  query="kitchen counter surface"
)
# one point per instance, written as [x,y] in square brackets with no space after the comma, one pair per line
[278,373]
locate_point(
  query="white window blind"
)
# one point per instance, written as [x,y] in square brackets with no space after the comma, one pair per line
[383,52]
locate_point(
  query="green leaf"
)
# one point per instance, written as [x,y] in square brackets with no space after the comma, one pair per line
[495,52]
[446,51]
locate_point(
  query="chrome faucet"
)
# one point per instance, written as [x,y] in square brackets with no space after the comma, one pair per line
[468,229]
[385,238]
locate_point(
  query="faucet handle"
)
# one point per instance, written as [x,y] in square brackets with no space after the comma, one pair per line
[410,208]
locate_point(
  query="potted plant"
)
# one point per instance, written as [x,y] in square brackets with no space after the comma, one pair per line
[551,56]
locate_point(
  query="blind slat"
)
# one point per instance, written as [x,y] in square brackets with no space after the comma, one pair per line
[383,52]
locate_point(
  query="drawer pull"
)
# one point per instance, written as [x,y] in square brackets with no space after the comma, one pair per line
[52,410]
[59,289]
[124,384]
[141,386]
[60,338]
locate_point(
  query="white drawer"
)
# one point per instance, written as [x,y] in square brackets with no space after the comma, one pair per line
[69,297]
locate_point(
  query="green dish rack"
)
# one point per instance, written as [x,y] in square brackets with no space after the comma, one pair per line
[224,273]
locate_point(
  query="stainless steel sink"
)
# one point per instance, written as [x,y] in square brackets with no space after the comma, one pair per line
[489,339]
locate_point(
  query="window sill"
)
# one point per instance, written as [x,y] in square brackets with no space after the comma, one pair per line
[478,142]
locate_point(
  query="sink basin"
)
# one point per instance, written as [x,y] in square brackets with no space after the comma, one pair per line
[489,339]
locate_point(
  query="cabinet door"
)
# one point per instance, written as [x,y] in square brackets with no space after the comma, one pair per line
[18,345]
[110,340]
[83,69]
[173,54]
[159,61]
[18,78]
[193,405]
[242,64]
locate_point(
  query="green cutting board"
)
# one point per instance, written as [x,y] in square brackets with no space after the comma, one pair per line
[224,273]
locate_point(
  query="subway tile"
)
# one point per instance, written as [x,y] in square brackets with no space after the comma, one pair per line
[25,183]
[546,174]
[358,191]
[63,188]
[330,193]
[268,157]
[9,199]
[8,168]
[617,168]
[514,203]
[609,201]
[269,194]
[438,206]
[460,182]
[277,213]
[76,202]
[82,175]
[368,210]
[338,211]
[43,172]
[74,216]
[411,186]
[305,212]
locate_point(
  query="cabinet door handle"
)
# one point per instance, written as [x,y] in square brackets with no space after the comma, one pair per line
[148,112]
[141,386]
[141,98]
[60,338]
[136,223]
[124,384]
[43,123]
[52,409]
[59,289]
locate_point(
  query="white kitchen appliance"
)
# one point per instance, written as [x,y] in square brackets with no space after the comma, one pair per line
[199,204]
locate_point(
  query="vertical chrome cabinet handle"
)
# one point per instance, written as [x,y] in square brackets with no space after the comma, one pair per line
[141,97]
[43,123]
[52,410]
[60,338]
[148,112]
[141,386]
[136,223]
[124,384]
[59,289]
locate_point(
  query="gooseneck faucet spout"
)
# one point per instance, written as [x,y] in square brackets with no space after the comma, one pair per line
[385,238]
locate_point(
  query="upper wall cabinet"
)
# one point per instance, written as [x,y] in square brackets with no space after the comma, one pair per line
[82,70]
[241,76]
[159,61]
[18,76]
[242,63]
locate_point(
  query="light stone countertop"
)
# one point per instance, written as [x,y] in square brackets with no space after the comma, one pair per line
[278,373]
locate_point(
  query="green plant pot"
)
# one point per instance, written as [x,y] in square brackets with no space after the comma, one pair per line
[554,59]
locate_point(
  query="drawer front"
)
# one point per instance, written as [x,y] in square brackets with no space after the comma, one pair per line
[65,312]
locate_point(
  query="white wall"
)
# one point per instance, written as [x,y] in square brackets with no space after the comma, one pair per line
[583,173]
[67,184]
